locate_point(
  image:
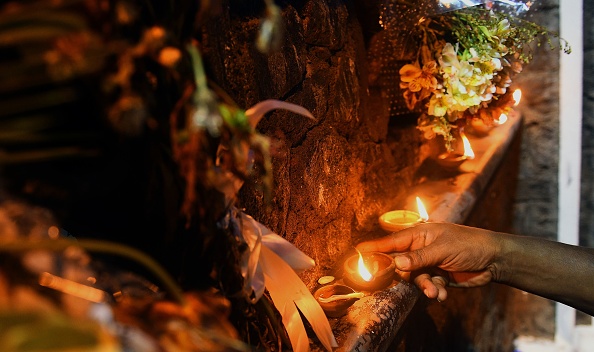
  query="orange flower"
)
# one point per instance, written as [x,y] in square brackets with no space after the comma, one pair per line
[418,83]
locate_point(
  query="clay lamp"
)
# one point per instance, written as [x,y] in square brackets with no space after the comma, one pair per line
[397,220]
[370,271]
[335,299]
[452,160]
[480,128]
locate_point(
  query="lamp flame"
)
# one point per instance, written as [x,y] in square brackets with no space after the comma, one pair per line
[365,274]
[468,152]
[501,120]
[517,96]
[422,210]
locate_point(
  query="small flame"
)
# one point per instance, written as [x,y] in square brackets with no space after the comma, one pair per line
[517,96]
[365,274]
[501,120]
[467,148]
[422,210]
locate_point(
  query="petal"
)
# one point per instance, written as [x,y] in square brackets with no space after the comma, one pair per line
[409,72]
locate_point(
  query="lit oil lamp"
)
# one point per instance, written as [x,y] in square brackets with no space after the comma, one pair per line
[517,95]
[335,299]
[480,128]
[370,271]
[397,220]
[452,160]
[502,119]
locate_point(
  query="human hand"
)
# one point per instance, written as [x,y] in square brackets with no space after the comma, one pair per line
[461,256]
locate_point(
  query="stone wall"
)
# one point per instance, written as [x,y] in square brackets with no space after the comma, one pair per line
[333,177]
[536,205]
[587,187]
[536,210]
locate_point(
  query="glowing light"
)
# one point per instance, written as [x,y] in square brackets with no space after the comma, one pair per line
[517,96]
[71,287]
[468,152]
[501,120]
[422,210]
[53,232]
[365,274]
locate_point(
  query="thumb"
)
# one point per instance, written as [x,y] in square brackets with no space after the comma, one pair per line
[414,260]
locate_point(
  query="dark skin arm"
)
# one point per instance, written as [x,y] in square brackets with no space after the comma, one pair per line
[468,257]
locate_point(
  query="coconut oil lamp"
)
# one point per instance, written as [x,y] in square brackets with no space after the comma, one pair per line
[369,271]
[452,160]
[480,128]
[397,220]
[335,299]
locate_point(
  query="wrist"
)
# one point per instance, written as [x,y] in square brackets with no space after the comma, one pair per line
[501,265]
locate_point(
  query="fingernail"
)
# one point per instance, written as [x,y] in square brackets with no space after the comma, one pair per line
[402,262]
[438,300]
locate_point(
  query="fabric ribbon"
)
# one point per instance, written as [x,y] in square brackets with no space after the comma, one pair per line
[273,263]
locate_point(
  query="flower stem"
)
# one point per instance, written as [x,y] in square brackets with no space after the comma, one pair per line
[102,247]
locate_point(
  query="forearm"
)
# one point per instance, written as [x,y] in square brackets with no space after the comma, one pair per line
[549,269]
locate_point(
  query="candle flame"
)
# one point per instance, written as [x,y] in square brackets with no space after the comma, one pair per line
[502,119]
[467,148]
[517,96]
[365,274]
[422,210]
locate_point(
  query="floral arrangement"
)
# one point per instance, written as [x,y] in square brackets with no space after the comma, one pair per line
[465,65]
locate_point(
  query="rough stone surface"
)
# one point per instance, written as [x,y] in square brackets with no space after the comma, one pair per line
[587,187]
[537,198]
[333,177]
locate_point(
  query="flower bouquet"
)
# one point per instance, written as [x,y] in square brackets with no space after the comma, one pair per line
[465,65]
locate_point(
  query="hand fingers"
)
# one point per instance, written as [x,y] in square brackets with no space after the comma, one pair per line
[434,287]
[440,282]
[430,256]
[425,284]
[396,242]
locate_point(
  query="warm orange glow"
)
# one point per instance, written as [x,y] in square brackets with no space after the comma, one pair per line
[422,210]
[517,96]
[53,232]
[71,287]
[365,274]
[468,152]
[502,119]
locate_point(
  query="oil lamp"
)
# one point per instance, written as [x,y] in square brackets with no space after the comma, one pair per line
[335,299]
[517,94]
[369,271]
[452,160]
[478,127]
[397,220]
[502,119]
